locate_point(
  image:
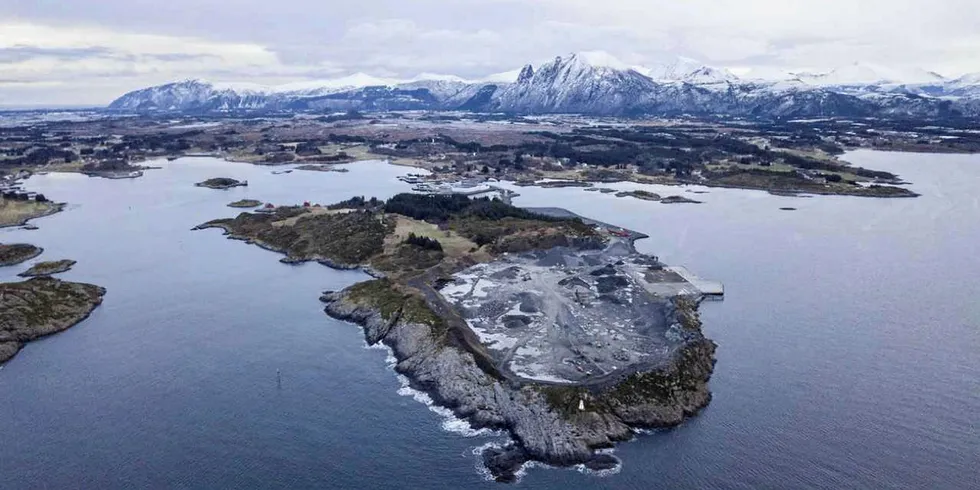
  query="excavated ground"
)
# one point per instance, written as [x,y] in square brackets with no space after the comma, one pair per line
[569,316]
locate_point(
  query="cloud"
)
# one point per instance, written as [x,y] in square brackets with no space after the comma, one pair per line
[30,52]
[23,53]
[99,64]
[132,43]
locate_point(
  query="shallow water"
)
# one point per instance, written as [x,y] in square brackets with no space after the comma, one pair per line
[847,344]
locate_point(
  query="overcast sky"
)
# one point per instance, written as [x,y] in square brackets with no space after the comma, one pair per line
[55,52]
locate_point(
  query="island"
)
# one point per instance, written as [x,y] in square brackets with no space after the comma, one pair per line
[16,253]
[221,183]
[640,194]
[537,322]
[117,168]
[323,167]
[679,200]
[39,307]
[245,203]
[553,184]
[48,268]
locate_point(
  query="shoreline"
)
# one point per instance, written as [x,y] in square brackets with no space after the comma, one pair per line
[585,181]
[452,379]
[79,299]
[560,422]
[58,207]
[286,259]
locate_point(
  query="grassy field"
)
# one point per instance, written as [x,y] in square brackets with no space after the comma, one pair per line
[453,244]
[16,213]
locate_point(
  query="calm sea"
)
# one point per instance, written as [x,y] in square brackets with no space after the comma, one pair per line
[848,344]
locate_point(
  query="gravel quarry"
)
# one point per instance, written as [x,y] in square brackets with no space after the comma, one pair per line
[573,317]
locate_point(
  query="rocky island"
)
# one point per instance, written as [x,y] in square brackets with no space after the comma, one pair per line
[322,167]
[640,194]
[679,200]
[221,183]
[48,268]
[245,203]
[17,253]
[548,326]
[39,307]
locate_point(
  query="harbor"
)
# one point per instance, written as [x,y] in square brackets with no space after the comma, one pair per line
[467,187]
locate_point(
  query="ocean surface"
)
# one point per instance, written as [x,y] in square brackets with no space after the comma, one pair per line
[849,344]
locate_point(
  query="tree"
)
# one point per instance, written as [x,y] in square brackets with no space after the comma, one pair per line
[424,242]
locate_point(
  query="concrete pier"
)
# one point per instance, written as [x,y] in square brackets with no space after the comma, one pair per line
[710,289]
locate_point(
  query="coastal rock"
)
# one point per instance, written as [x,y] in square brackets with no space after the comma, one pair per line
[504,462]
[602,462]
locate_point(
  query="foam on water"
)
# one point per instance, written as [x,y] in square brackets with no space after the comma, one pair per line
[522,472]
[450,423]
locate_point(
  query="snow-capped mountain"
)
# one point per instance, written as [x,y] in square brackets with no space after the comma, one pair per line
[324,87]
[707,75]
[688,70]
[191,96]
[595,84]
[965,86]
[858,73]
[573,84]
[673,70]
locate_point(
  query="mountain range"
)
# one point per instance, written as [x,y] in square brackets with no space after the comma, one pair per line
[591,84]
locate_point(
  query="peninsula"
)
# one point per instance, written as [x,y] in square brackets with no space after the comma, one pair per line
[42,306]
[545,325]
[16,253]
[18,211]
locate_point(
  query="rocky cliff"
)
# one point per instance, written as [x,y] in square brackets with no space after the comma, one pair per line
[560,425]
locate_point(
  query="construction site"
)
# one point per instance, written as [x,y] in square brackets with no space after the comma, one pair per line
[571,316]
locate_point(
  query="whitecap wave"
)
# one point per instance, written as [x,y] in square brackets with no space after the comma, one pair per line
[456,425]
[520,473]
[450,423]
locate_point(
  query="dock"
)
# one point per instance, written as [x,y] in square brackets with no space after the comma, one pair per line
[710,289]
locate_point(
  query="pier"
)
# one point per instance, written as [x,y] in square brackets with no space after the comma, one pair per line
[710,289]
